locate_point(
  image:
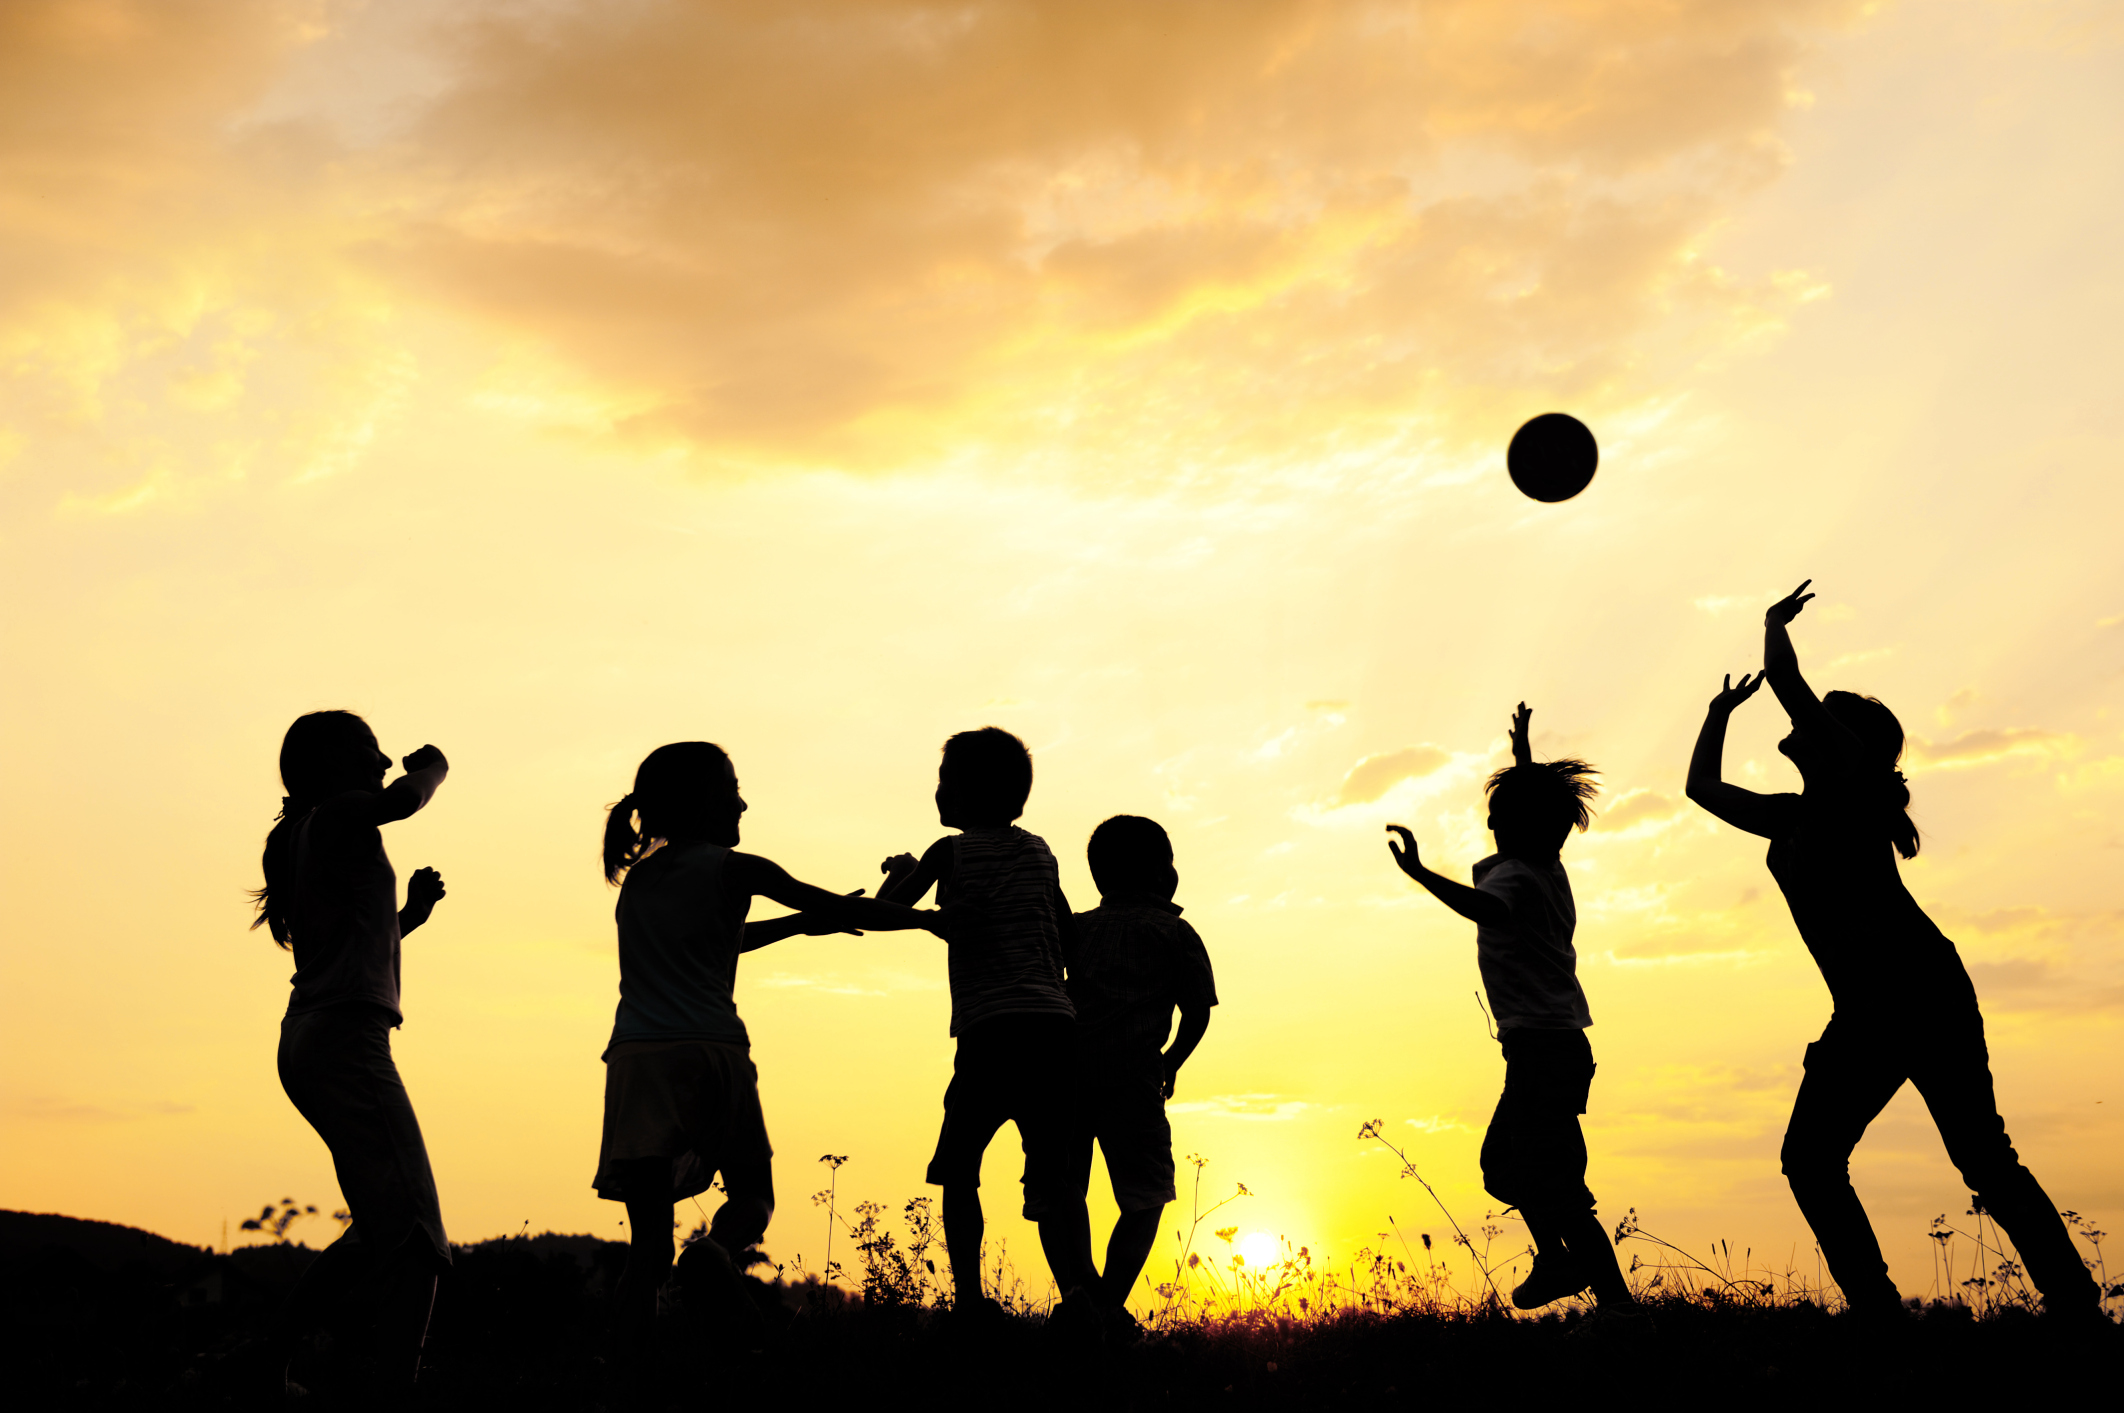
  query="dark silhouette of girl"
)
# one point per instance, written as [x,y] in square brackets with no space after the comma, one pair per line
[1904,1006]
[682,1099]
[330,897]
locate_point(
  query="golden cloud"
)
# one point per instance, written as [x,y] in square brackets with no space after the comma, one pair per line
[1375,775]
[1974,748]
[1638,807]
[1154,242]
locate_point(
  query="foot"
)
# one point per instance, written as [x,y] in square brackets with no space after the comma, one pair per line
[977,1314]
[1078,1321]
[1553,1278]
[1616,1321]
[1122,1328]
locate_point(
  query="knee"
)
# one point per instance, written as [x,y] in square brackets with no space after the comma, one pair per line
[1805,1163]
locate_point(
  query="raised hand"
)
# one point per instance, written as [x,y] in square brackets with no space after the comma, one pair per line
[424,889]
[1734,693]
[1788,608]
[1404,852]
[899,865]
[423,758]
[1522,749]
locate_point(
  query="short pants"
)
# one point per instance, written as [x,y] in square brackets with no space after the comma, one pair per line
[1011,1069]
[1121,1105]
[1535,1153]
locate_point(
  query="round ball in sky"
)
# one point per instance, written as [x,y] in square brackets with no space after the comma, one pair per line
[1552,457]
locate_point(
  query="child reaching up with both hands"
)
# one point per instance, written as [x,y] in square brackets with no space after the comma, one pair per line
[682,1098]
[1534,1156]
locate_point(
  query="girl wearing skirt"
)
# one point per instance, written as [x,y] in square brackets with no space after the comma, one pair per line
[682,1098]
[331,898]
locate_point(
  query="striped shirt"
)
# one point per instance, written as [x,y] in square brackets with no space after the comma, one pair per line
[1009,961]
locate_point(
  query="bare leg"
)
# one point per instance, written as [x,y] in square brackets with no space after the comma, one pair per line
[964,1226]
[1065,1239]
[740,1223]
[649,1253]
[1126,1252]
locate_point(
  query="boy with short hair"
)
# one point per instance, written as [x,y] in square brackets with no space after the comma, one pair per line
[1010,1010]
[1133,962]
[1534,1156]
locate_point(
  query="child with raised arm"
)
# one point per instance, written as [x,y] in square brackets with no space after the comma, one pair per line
[1132,964]
[1534,1155]
[1904,1008]
[331,898]
[1010,1011]
[682,1098]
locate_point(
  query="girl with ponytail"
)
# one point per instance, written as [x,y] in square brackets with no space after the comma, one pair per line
[331,898]
[1904,1005]
[682,1098]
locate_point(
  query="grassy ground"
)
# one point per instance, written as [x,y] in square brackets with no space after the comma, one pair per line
[116,1319]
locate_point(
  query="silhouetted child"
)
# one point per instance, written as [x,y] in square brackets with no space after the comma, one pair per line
[331,897]
[1010,1009]
[1132,963]
[681,1096]
[1534,1156]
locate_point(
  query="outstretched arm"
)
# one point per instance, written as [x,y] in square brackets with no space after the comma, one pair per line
[768,931]
[1782,670]
[1743,809]
[764,878]
[1522,750]
[1482,909]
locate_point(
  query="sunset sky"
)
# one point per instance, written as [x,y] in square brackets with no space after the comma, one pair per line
[550,381]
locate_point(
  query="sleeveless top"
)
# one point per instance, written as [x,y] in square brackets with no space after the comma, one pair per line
[679,934]
[1009,961]
[1876,948]
[343,924]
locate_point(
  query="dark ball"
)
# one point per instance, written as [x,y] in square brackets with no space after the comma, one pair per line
[1552,457]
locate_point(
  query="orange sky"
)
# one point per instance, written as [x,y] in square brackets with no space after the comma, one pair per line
[551,381]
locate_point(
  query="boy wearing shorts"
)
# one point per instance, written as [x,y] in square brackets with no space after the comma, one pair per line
[1010,1011]
[1133,963]
[1534,1155]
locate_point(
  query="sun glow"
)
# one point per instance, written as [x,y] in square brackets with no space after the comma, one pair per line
[1259,1248]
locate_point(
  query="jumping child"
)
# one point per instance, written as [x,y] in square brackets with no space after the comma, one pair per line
[1534,1155]
[1133,962]
[682,1097]
[1904,1008]
[331,897]
[1010,1010]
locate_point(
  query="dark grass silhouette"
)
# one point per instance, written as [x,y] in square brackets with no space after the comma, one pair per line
[98,1316]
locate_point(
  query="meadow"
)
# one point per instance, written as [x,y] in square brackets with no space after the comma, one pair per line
[101,1316]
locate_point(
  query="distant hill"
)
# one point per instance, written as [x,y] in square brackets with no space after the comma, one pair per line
[111,1247]
[105,1245]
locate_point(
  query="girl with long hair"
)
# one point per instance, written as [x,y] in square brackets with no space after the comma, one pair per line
[682,1098]
[331,898]
[1904,1005]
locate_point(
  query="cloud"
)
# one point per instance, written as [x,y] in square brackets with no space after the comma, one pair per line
[1637,807]
[1974,748]
[1259,1108]
[1375,775]
[870,234]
